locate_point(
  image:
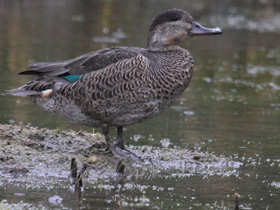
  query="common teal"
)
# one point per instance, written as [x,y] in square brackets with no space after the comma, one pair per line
[119,86]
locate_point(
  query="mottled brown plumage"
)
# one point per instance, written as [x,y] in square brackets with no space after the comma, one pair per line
[119,86]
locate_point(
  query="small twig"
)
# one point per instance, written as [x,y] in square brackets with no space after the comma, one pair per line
[236,201]
[75,177]
[79,181]
[120,168]
[73,169]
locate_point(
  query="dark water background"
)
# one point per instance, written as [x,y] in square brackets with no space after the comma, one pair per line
[232,107]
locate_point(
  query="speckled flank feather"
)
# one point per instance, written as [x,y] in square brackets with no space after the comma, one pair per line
[125,92]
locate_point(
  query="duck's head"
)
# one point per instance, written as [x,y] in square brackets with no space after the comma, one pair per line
[173,26]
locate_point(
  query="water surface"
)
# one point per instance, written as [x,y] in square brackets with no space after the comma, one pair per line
[231,108]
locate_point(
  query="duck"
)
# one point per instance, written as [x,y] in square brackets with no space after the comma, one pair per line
[119,86]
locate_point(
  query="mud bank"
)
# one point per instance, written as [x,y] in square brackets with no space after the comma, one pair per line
[36,157]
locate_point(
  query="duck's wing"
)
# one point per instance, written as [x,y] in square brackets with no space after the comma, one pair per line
[54,75]
[81,65]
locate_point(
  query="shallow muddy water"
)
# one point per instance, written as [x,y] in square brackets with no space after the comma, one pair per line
[231,108]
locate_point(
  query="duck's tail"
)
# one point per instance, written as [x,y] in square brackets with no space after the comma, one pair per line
[21,91]
[42,86]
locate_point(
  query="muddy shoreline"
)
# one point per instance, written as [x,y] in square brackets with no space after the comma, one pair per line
[35,155]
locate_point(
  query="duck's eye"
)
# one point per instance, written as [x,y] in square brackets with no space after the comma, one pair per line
[175,18]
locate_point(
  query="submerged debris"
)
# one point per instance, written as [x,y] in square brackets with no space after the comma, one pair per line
[79,182]
[74,171]
[76,178]
[236,201]
[120,167]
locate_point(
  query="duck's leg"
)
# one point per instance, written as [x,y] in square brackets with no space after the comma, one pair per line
[120,143]
[115,149]
[105,130]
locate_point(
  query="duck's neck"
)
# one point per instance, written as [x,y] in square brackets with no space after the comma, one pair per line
[160,47]
[158,42]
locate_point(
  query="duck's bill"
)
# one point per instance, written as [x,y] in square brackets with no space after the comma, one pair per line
[198,29]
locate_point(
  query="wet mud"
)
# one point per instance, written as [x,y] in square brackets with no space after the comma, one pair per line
[35,157]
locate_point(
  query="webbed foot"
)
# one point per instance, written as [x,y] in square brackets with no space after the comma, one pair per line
[122,153]
[117,150]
